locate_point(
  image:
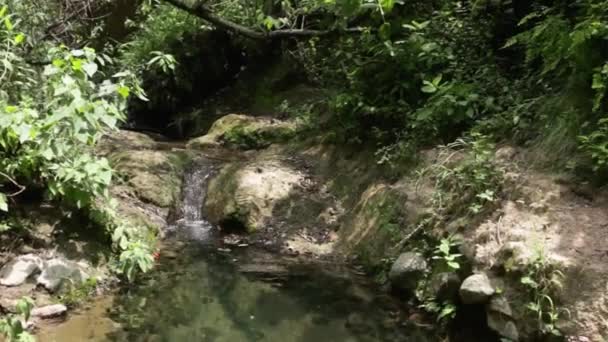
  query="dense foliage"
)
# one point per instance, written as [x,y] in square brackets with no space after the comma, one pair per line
[52,116]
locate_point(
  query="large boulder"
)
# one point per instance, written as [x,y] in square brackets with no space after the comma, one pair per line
[245,132]
[19,269]
[476,289]
[407,270]
[155,176]
[246,194]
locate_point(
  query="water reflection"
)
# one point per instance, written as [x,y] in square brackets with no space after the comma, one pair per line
[204,296]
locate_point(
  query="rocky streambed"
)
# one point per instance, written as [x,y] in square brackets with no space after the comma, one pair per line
[259,232]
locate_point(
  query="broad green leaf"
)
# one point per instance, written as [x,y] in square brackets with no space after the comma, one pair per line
[437,80]
[24,131]
[385,31]
[90,68]
[387,5]
[428,88]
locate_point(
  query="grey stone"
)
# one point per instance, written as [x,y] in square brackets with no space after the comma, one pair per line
[50,311]
[19,269]
[407,271]
[500,304]
[502,325]
[445,285]
[56,271]
[476,289]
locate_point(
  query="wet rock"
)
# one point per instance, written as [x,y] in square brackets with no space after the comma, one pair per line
[56,271]
[50,311]
[407,271]
[241,197]
[476,289]
[445,285]
[19,269]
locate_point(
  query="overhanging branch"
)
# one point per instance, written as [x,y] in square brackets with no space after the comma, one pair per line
[205,13]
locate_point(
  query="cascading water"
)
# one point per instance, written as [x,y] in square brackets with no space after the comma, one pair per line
[191,224]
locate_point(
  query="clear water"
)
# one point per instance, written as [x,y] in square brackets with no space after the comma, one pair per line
[201,295]
[198,293]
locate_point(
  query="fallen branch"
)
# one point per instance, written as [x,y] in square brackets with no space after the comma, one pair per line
[206,14]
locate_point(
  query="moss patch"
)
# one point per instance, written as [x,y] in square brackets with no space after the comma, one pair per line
[245,132]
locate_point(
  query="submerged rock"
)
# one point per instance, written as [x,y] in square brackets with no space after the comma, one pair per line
[49,311]
[19,269]
[56,271]
[247,132]
[476,289]
[407,270]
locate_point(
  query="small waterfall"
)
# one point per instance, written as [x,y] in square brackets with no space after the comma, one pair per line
[191,223]
[193,191]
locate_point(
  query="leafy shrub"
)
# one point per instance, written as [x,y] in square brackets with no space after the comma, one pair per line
[50,121]
[12,328]
[470,182]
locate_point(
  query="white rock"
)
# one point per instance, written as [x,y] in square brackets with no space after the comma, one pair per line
[19,269]
[49,311]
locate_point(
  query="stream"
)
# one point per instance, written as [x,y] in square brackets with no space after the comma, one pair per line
[201,292]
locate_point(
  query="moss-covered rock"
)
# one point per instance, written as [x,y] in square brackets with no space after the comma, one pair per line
[148,177]
[245,195]
[245,132]
[375,224]
[155,176]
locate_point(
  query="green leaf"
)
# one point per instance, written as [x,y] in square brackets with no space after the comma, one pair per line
[90,68]
[454,265]
[124,91]
[387,5]
[3,202]
[437,80]
[19,38]
[349,7]
[385,31]
[24,131]
[428,88]
[8,24]
[24,307]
